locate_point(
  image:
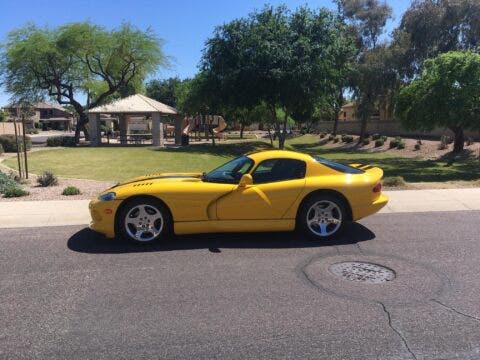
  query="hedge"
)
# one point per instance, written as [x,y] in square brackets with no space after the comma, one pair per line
[10,145]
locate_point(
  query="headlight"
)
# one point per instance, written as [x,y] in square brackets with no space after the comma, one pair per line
[108,196]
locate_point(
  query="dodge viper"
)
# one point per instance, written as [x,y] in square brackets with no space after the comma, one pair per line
[273,190]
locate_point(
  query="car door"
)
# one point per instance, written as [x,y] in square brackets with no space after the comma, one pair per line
[276,185]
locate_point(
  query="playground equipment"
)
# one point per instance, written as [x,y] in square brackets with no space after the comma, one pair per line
[210,125]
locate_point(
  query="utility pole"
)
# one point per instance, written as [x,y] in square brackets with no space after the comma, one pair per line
[24,146]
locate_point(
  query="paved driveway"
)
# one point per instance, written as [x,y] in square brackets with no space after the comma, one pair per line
[65,292]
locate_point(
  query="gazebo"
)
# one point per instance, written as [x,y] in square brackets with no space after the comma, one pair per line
[134,105]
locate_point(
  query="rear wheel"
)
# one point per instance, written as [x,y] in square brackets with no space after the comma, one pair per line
[144,220]
[322,216]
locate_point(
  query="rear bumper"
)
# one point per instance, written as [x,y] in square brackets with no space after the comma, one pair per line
[369,209]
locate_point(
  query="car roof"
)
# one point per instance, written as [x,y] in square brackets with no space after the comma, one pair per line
[274,154]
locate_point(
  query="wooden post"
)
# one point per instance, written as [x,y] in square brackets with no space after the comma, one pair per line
[156,129]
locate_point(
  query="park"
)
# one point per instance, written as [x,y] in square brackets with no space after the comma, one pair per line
[93,99]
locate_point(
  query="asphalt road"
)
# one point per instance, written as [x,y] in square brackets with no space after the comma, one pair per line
[67,293]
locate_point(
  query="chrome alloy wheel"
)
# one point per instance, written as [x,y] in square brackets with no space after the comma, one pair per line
[144,222]
[324,218]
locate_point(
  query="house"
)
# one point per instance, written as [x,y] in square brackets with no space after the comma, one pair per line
[348,112]
[46,115]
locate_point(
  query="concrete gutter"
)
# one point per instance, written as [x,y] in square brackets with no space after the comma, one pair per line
[75,212]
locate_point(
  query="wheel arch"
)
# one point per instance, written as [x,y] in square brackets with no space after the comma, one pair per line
[126,201]
[331,192]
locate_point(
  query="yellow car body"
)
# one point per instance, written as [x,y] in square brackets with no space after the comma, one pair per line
[198,206]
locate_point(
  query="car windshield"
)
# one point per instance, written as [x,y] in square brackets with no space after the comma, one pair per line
[231,172]
[338,167]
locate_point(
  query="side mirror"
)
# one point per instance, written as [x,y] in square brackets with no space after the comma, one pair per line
[245,180]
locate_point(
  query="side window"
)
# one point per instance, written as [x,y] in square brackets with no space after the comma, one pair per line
[278,170]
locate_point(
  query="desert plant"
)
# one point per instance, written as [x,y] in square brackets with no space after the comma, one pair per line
[443,143]
[14,191]
[384,138]
[418,146]
[71,190]
[379,142]
[393,143]
[10,145]
[336,139]
[469,141]
[376,136]
[331,137]
[47,179]
[401,145]
[393,181]
[31,131]
[6,181]
[366,141]
[322,135]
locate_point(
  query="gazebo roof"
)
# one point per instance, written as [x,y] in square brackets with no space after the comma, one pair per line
[134,104]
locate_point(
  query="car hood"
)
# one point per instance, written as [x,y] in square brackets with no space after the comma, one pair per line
[173,177]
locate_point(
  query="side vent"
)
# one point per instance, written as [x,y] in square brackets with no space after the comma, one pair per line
[143,184]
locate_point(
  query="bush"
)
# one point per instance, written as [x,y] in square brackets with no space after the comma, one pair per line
[401,145]
[376,136]
[31,131]
[443,143]
[384,138]
[14,191]
[6,181]
[10,145]
[393,181]
[37,125]
[331,137]
[1,149]
[71,190]
[322,135]
[366,141]
[379,142]
[418,146]
[68,141]
[336,139]
[347,138]
[393,143]
[47,179]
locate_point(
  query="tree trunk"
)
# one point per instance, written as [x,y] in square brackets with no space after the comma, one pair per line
[363,128]
[81,126]
[270,136]
[242,127]
[459,139]
[282,134]
[335,125]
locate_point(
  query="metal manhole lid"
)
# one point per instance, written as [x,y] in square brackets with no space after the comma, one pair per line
[362,272]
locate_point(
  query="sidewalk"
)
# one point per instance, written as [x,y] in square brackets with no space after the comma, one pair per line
[75,212]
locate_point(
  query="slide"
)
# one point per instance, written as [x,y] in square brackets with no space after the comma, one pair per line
[221,126]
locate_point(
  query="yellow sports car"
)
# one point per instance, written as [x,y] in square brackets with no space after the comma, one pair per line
[272,190]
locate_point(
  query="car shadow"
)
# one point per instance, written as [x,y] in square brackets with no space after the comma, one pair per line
[88,241]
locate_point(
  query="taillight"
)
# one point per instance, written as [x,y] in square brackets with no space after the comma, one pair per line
[377,188]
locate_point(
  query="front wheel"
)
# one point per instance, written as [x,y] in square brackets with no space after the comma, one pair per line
[322,216]
[143,220]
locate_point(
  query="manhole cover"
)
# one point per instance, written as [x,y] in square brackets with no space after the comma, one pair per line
[362,272]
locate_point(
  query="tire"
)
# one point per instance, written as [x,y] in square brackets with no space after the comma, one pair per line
[144,220]
[322,216]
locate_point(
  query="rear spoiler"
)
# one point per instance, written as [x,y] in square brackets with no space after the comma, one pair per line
[373,171]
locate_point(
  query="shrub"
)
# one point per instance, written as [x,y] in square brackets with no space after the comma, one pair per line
[67,141]
[322,135]
[393,143]
[443,143]
[71,190]
[366,141]
[37,125]
[393,181]
[419,142]
[47,179]
[379,142]
[1,149]
[31,131]
[468,142]
[347,138]
[401,145]
[418,146]
[384,138]
[10,145]
[14,191]
[331,137]
[6,181]
[376,136]
[336,139]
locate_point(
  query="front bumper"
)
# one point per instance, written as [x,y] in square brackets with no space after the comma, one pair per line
[103,216]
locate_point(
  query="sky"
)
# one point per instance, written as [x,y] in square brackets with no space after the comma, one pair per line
[184,25]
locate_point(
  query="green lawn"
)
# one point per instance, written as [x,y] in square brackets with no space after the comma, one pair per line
[120,163]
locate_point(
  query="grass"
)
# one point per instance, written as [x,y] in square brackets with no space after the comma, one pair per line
[120,163]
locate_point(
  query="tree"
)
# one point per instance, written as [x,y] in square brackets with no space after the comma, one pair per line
[281,59]
[447,94]
[3,115]
[368,18]
[163,90]
[70,60]
[432,27]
